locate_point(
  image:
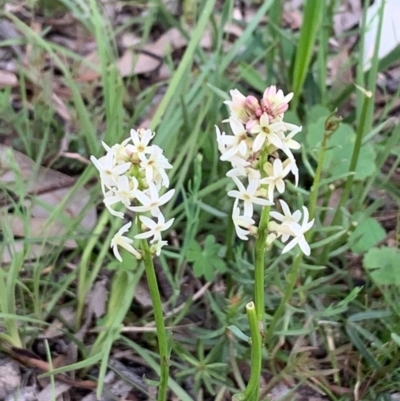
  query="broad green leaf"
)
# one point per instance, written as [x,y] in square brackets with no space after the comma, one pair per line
[385,265]
[339,148]
[367,234]
[206,261]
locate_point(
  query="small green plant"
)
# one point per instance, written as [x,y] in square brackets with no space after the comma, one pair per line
[206,260]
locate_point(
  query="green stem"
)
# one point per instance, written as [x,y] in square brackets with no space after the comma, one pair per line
[259,269]
[349,181]
[291,282]
[159,318]
[253,386]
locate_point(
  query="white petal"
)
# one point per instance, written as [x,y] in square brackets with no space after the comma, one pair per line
[280,186]
[148,222]
[290,245]
[285,207]
[304,246]
[166,197]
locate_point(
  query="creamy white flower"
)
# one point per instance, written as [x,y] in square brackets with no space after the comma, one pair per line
[244,225]
[237,105]
[151,200]
[299,231]
[243,171]
[119,151]
[248,196]
[124,192]
[290,227]
[275,102]
[265,131]
[155,165]
[220,140]
[156,247]
[277,173]
[119,240]
[154,229]
[287,140]
[286,219]
[236,143]
[294,170]
[108,169]
[140,139]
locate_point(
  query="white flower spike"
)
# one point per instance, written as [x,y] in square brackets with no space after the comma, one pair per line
[259,135]
[132,173]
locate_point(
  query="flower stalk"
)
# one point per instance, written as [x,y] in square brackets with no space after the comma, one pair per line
[159,319]
[132,176]
[252,390]
[259,268]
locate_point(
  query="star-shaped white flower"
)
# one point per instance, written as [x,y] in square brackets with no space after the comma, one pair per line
[243,225]
[151,200]
[155,165]
[290,227]
[276,178]
[248,196]
[154,229]
[299,231]
[124,242]
[124,192]
[236,143]
[265,131]
[286,219]
[141,139]
[108,169]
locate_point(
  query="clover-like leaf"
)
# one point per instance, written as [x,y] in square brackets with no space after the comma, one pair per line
[206,260]
[367,234]
[384,264]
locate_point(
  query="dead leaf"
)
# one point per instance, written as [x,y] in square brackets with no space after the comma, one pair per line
[35,251]
[97,299]
[339,70]
[37,227]
[10,376]
[142,294]
[131,64]
[347,16]
[153,53]
[54,330]
[8,79]
[52,392]
[48,189]
[28,358]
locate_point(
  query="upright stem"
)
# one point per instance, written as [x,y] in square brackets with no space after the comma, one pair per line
[291,282]
[252,389]
[352,168]
[259,268]
[159,318]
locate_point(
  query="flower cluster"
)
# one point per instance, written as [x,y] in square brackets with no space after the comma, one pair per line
[132,173]
[260,138]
